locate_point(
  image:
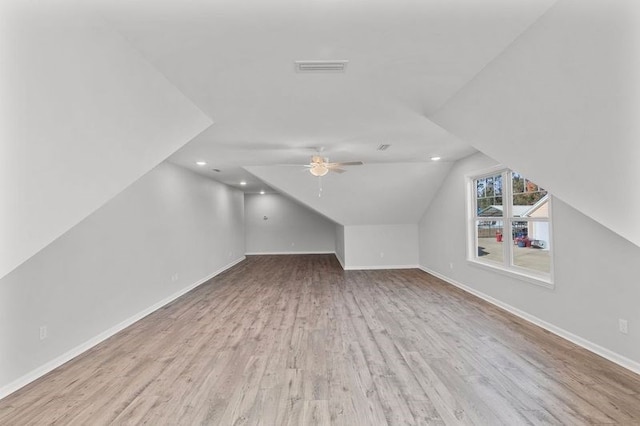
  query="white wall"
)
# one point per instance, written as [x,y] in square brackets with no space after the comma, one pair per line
[381,246]
[596,270]
[82,116]
[116,263]
[561,106]
[290,227]
[340,244]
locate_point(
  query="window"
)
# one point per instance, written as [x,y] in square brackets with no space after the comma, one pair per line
[510,225]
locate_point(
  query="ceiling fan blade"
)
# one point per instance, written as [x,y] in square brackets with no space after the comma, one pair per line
[294,165]
[348,163]
[334,169]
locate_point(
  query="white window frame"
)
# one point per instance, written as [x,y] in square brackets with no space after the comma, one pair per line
[506,266]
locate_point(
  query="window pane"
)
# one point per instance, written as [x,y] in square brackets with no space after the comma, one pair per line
[531,245]
[489,187]
[529,200]
[489,240]
[489,196]
[497,185]
[480,183]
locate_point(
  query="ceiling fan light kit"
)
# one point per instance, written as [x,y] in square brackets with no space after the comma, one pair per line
[318,170]
[320,166]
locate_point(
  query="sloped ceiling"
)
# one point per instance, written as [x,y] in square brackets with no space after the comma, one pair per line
[89,104]
[374,194]
[413,138]
[235,60]
[561,105]
[82,117]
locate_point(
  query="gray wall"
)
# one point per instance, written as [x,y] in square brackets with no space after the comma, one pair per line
[290,227]
[380,246]
[166,232]
[82,116]
[561,105]
[596,270]
[340,244]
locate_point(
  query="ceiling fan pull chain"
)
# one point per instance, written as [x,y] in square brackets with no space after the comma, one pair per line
[319,187]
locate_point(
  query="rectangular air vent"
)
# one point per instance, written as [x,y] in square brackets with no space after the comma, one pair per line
[384,147]
[321,66]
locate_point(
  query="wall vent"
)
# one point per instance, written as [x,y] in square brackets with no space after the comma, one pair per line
[384,147]
[321,66]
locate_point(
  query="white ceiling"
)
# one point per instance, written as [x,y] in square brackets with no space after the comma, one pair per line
[235,61]
[379,194]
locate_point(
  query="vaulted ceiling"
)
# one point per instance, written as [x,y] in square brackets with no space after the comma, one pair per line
[96,94]
[406,58]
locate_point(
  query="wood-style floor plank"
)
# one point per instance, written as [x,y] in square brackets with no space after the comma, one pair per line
[295,340]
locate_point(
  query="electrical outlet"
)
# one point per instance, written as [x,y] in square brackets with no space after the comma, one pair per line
[293,244]
[623,326]
[381,254]
[174,277]
[450,265]
[43,332]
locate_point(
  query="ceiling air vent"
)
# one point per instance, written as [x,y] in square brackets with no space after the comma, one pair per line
[321,66]
[384,147]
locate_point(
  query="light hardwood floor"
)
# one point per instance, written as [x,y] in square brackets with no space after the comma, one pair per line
[294,340]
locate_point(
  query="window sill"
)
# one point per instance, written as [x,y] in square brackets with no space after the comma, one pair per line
[528,278]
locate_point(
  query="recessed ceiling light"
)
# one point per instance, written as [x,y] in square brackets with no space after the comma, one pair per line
[435,158]
[201,163]
[262,192]
[243,183]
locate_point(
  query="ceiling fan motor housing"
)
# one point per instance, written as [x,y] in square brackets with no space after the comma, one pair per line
[317,159]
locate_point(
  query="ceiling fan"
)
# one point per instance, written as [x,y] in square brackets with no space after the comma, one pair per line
[320,166]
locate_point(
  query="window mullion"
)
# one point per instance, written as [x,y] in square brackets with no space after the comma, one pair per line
[507,209]
[473,218]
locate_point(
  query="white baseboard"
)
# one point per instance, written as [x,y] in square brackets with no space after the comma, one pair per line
[268,253]
[300,252]
[372,267]
[586,344]
[72,353]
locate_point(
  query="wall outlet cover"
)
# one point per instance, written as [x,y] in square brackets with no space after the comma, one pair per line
[623,326]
